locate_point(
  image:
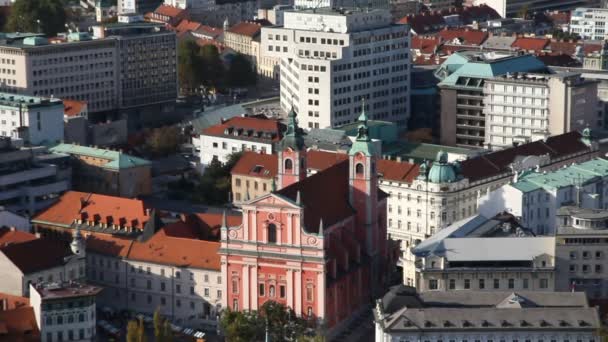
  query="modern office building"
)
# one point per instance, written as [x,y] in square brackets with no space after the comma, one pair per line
[65,311]
[462,75]
[34,120]
[581,237]
[120,67]
[589,23]
[404,315]
[511,8]
[535,196]
[332,60]
[521,107]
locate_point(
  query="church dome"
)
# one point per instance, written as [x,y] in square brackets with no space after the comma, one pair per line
[442,171]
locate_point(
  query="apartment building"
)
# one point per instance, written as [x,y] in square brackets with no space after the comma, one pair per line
[332,60]
[65,311]
[137,6]
[589,23]
[215,12]
[511,8]
[34,120]
[105,171]
[29,179]
[120,66]
[238,134]
[486,254]
[519,107]
[581,237]
[535,196]
[462,76]
[404,315]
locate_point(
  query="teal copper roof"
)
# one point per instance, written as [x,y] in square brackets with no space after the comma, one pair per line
[571,175]
[116,159]
[442,171]
[471,65]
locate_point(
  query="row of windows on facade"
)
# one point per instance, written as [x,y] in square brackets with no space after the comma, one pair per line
[148,270]
[433,284]
[235,307]
[70,335]
[75,79]
[67,318]
[178,303]
[237,182]
[243,147]
[309,290]
[72,68]
[83,57]
[318,54]
[380,37]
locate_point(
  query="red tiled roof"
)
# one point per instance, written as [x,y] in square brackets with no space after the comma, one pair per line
[324,195]
[321,160]
[466,36]
[107,244]
[397,171]
[187,25]
[14,302]
[246,124]
[495,163]
[591,48]
[426,45]
[563,47]
[530,44]
[210,224]
[209,30]
[8,235]
[73,107]
[69,208]
[559,18]
[558,60]
[424,22]
[48,254]
[19,325]
[256,164]
[168,11]
[246,28]
[166,250]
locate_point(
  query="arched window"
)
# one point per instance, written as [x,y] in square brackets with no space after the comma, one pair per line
[288,165]
[359,169]
[272,233]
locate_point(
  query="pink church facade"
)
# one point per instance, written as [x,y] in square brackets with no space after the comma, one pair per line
[316,244]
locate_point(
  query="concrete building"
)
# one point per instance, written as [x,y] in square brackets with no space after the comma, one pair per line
[581,237]
[331,60]
[30,182]
[65,311]
[535,197]
[137,6]
[462,76]
[54,261]
[106,171]
[217,12]
[511,8]
[127,66]
[521,107]
[589,23]
[485,254]
[404,315]
[237,134]
[34,120]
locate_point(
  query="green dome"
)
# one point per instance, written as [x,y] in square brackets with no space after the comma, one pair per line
[442,171]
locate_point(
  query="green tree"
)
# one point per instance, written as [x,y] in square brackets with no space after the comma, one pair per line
[158,325]
[241,73]
[44,16]
[211,65]
[188,64]
[136,331]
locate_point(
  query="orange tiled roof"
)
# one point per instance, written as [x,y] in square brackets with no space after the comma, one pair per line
[166,250]
[8,235]
[73,107]
[187,25]
[256,164]
[563,47]
[321,160]
[168,11]
[426,45]
[466,36]
[110,209]
[530,44]
[107,244]
[14,302]
[397,171]
[246,28]
[49,254]
[245,125]
[19,325]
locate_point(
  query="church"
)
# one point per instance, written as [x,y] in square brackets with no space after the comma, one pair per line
[316,244]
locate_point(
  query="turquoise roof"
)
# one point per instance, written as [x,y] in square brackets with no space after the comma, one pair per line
[467,65]
[35,41]
[571,175]
[442,171]
[363,143]
[117,159]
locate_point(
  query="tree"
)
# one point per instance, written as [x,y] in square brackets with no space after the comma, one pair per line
[167,333]
[136,331]
[241,73]
[158,325]
[211,65]
[523,11]
[164,140]
[44,16]
[188,64]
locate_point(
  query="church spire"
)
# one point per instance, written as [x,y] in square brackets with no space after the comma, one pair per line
[363,143]
[293,137]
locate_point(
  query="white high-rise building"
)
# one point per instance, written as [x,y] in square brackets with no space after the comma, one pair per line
[589,23]
[333,59]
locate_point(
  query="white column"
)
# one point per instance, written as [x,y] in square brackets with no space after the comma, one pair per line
[254,293]
[298,292]
[290,288]
[289,229]
[246,288]
[321,294]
